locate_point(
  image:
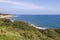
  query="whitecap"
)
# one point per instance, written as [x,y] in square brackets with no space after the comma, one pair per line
[15,16]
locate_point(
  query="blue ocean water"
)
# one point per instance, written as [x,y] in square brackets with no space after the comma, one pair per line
[46,21]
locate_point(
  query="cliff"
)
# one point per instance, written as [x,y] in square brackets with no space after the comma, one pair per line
[5,16]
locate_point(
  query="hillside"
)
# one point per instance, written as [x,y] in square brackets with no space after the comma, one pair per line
[19,30]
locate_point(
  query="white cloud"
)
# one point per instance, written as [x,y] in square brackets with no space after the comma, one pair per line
[25,7]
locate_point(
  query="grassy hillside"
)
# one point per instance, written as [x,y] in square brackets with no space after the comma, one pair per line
[19,30]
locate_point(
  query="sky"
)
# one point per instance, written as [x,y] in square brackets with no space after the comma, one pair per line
[30,7]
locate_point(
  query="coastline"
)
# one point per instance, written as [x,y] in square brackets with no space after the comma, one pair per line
[6,16]
[42,28]
[34,26]
[38,27]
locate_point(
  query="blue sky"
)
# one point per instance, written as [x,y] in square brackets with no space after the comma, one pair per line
[30,6]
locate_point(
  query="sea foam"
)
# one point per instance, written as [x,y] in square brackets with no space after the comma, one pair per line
[38,27]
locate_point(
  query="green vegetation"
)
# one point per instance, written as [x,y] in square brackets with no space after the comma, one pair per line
[19,30]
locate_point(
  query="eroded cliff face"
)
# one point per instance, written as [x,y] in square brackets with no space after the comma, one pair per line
[5,16]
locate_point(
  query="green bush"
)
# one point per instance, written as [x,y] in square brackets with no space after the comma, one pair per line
[19,30]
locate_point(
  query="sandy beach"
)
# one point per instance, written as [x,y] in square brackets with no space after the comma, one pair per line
[6,16]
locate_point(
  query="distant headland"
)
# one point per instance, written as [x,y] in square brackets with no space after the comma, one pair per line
[5,16]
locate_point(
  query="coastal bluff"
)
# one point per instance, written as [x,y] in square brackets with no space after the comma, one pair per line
[20,30]
[5,16]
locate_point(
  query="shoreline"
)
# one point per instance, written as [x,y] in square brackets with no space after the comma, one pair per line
[38,27]
[34,26]
[6,16]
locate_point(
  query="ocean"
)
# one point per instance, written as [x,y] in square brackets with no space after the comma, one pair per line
[46,21]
